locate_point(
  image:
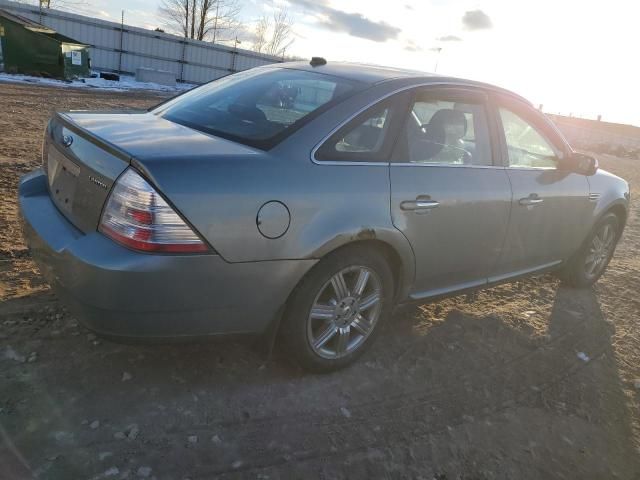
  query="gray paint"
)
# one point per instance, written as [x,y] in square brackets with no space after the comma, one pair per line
[479,233]
[470,220]
[120,292]
[549,231]
[273,220]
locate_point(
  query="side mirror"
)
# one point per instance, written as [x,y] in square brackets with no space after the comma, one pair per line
[580,163]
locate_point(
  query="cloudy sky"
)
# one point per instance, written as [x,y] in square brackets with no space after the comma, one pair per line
[573,56]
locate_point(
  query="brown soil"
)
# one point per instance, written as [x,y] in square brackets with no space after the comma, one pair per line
[481,388]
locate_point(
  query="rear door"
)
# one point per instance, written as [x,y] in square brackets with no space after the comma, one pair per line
[449,194]
[550,205]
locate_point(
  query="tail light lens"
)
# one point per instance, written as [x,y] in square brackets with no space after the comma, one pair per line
[138,217]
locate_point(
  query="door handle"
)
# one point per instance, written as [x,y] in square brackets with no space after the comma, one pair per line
[418,205]
[532,199]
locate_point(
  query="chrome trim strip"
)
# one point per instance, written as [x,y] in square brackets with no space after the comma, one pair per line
[371,104]
[523,272]
[451,165]
[337,162]
[526,169]
[437,292]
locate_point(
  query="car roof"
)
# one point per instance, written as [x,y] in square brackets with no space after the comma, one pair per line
[372,74]
[358,71]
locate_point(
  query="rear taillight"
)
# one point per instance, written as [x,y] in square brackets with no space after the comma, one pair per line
[138,217]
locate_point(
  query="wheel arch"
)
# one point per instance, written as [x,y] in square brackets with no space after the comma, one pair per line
[618,207]
[390,254]
[620,211]
[390,243]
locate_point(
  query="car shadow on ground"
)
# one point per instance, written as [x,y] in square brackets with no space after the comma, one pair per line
[450,390]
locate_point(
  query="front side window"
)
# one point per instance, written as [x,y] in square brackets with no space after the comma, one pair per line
[439,131]
[526,146]
[258,107]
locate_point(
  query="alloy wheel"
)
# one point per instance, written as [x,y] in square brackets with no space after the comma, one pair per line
[344,312]
[600,250]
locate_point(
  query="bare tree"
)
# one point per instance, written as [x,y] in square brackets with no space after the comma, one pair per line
[213,20]
[274,36]
[260,34]
[225,21]
[176,15]
[282,36]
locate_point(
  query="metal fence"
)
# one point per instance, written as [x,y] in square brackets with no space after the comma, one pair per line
[123,48]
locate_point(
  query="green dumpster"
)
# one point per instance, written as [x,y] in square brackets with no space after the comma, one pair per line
[33,49]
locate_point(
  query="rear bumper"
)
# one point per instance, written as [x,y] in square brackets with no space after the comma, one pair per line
[119,292]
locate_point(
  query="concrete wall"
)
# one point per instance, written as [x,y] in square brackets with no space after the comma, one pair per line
[161,77]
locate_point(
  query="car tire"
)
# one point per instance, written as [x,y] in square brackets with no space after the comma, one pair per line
[590,262]
[329,323]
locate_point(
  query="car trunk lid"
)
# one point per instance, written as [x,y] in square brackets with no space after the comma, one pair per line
[84,153]
[80,171]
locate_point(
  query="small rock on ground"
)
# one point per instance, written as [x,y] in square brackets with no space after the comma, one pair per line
[144,472]
[11,354]
[112,472]
[103,455]
[583,356]
[133,431]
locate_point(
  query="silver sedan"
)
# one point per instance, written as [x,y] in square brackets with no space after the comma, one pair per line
[308,199]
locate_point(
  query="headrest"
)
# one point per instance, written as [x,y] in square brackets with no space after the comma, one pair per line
[247,112]
[452,122]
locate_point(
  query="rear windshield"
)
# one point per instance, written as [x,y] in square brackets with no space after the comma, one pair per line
[257,107]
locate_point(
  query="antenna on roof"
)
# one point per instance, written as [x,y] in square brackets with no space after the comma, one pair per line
[317,61]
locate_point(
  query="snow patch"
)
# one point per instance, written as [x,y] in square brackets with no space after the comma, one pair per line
[126,83]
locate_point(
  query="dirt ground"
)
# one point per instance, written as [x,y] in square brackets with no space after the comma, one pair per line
[530,380]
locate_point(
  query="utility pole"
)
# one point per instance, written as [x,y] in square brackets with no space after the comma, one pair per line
[43,4]
[438,50]
[121,35]
[234,54]
[215,22]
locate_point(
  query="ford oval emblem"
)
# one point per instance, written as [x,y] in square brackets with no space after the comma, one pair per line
[67,140]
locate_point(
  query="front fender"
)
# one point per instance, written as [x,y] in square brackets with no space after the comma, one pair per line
[608,192]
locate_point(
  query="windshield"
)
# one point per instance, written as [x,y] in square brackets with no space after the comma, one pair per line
[258,107]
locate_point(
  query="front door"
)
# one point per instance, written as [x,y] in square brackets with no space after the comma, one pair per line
[550,205]
[448,196]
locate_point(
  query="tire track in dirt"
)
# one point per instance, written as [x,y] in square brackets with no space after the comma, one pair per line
[318,433]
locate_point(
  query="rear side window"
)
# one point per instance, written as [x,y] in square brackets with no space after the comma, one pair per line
[258,107]
[368,137]
[445,131]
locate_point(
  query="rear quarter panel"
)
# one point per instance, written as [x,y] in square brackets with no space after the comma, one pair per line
[330,205]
